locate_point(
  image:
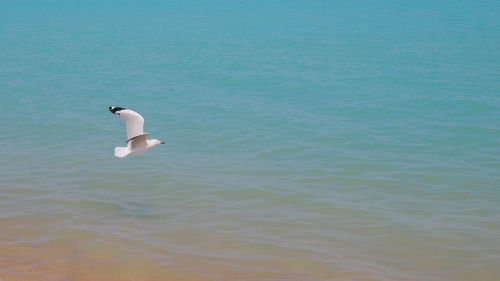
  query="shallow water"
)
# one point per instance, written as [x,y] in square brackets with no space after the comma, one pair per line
[304,141]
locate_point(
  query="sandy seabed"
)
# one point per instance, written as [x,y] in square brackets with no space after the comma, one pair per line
[22,263]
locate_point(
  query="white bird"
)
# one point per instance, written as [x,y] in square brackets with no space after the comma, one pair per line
[137,139]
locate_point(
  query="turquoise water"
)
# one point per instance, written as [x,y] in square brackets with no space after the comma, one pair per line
[305,140]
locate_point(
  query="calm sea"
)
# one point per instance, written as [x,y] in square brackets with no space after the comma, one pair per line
[306,140]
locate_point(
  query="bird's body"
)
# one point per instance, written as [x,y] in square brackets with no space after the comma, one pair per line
[137,139]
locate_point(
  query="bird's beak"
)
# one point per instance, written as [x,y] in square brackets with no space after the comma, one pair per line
[162,142]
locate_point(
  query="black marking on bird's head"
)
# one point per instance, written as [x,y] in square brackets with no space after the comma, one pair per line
[115,109]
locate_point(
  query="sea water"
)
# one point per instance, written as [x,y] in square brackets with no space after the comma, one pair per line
[305,140]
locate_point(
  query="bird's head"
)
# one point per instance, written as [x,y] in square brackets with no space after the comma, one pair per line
[155,141]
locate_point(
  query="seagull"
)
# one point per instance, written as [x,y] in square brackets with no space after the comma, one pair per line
[137,139]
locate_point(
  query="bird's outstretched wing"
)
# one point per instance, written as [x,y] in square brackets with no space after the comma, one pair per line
[133,121]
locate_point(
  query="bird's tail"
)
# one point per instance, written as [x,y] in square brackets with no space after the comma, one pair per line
[121,152]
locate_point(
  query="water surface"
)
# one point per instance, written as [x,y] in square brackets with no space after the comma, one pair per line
[305,141]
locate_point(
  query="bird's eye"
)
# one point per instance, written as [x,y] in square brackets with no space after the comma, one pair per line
[118,114]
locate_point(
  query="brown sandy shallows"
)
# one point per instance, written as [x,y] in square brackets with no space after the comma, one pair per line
[59,260]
